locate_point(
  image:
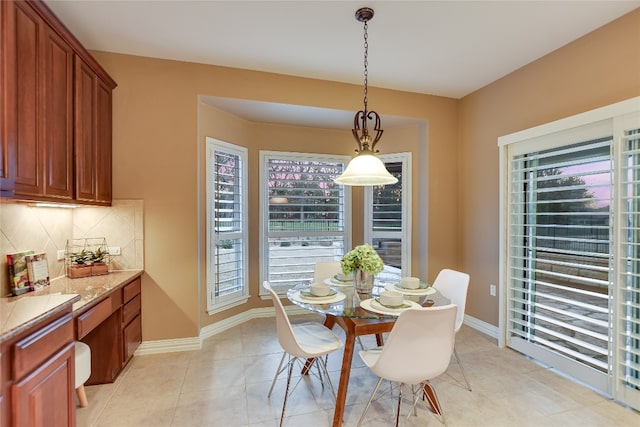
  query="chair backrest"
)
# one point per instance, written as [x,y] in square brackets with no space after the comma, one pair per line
[326,270]
[286,336]
[454,285]
[419,346]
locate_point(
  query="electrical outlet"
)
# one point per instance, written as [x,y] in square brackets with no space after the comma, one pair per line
[60,254]
[492,290]
[114,250]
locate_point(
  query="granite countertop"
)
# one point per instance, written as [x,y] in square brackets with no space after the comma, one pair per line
[19,313]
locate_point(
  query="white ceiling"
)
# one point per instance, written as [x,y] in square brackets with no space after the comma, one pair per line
[447,48]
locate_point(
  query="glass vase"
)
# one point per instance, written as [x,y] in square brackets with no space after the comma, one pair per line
[363,281]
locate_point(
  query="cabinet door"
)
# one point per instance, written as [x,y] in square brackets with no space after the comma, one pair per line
[41,66]
[6,110]
[57,118]
[132,336]
[45,397]
[22,49]
[92,135]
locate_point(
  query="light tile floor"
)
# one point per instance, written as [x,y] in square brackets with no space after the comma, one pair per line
[226,383]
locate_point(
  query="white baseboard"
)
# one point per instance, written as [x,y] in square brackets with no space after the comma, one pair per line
[195,343]
[168,346]
[481,326]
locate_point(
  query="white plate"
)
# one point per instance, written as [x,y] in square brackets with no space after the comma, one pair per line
[394,287]
[372,305]
[333,282]
[329,299]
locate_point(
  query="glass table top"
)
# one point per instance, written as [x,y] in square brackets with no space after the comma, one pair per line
[346,302]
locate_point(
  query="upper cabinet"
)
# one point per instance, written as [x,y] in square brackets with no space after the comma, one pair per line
[56,128]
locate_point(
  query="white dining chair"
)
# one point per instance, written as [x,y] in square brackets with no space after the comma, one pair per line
[326,270]
[454,285]
[417,350]
[301,342]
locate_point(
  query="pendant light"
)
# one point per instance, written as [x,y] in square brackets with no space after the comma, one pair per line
[366,168]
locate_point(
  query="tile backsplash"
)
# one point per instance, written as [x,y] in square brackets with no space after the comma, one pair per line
[23,227]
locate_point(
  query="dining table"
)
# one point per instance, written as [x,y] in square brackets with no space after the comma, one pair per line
[361,314]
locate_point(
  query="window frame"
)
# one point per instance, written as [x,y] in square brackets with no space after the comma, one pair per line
[217,304]
[405,159]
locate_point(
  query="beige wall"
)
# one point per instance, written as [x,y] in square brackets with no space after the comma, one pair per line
[598,69]
[156,137]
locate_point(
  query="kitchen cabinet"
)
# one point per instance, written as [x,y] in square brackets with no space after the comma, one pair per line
[39,367]
[92,135]
[112,328]
[131,319]
[56,128]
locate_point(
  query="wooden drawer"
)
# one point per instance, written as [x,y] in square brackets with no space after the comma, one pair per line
[33,350]
[87,321]
[131,290]
[131,309]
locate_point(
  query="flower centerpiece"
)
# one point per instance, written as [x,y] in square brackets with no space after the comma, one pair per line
[364,262]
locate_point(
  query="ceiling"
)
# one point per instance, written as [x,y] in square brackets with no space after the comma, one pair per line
[446,48]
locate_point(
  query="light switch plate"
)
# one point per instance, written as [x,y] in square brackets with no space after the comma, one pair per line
[114,250]
[60,254]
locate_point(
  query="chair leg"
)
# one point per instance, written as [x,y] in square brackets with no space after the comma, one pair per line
[369,402]
[82,396]
[455,353]
[323,365]
[286,392]
[399,404]
[278,371]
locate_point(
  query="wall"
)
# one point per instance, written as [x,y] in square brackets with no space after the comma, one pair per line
[24,227]
[598,69]
[156,139]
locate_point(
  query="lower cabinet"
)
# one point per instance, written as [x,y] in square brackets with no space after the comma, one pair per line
[45,397]
[112,329]
[38,369]
[131,319]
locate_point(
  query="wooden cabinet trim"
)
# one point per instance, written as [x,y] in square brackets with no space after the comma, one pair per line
[34,349]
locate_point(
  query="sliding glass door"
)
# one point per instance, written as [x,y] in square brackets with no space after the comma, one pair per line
[571,247]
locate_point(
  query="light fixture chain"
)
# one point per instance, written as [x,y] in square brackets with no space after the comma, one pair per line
[366,64]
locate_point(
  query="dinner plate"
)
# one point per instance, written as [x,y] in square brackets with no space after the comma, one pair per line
[328,299]
[335,282]
[372,305]
[427,290]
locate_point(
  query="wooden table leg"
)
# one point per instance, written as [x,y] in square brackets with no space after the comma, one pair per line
[430,395]
[345,371]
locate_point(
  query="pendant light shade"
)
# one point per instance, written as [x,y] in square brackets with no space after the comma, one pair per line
[366,169]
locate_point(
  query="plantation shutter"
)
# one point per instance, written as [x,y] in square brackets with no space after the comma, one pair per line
[560,252]
[306,216]
[627,352]
[228,224]
[387,218]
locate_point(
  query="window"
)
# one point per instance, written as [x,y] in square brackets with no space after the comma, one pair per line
[226,225]
[387,213]
[306,215]
[571,248]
